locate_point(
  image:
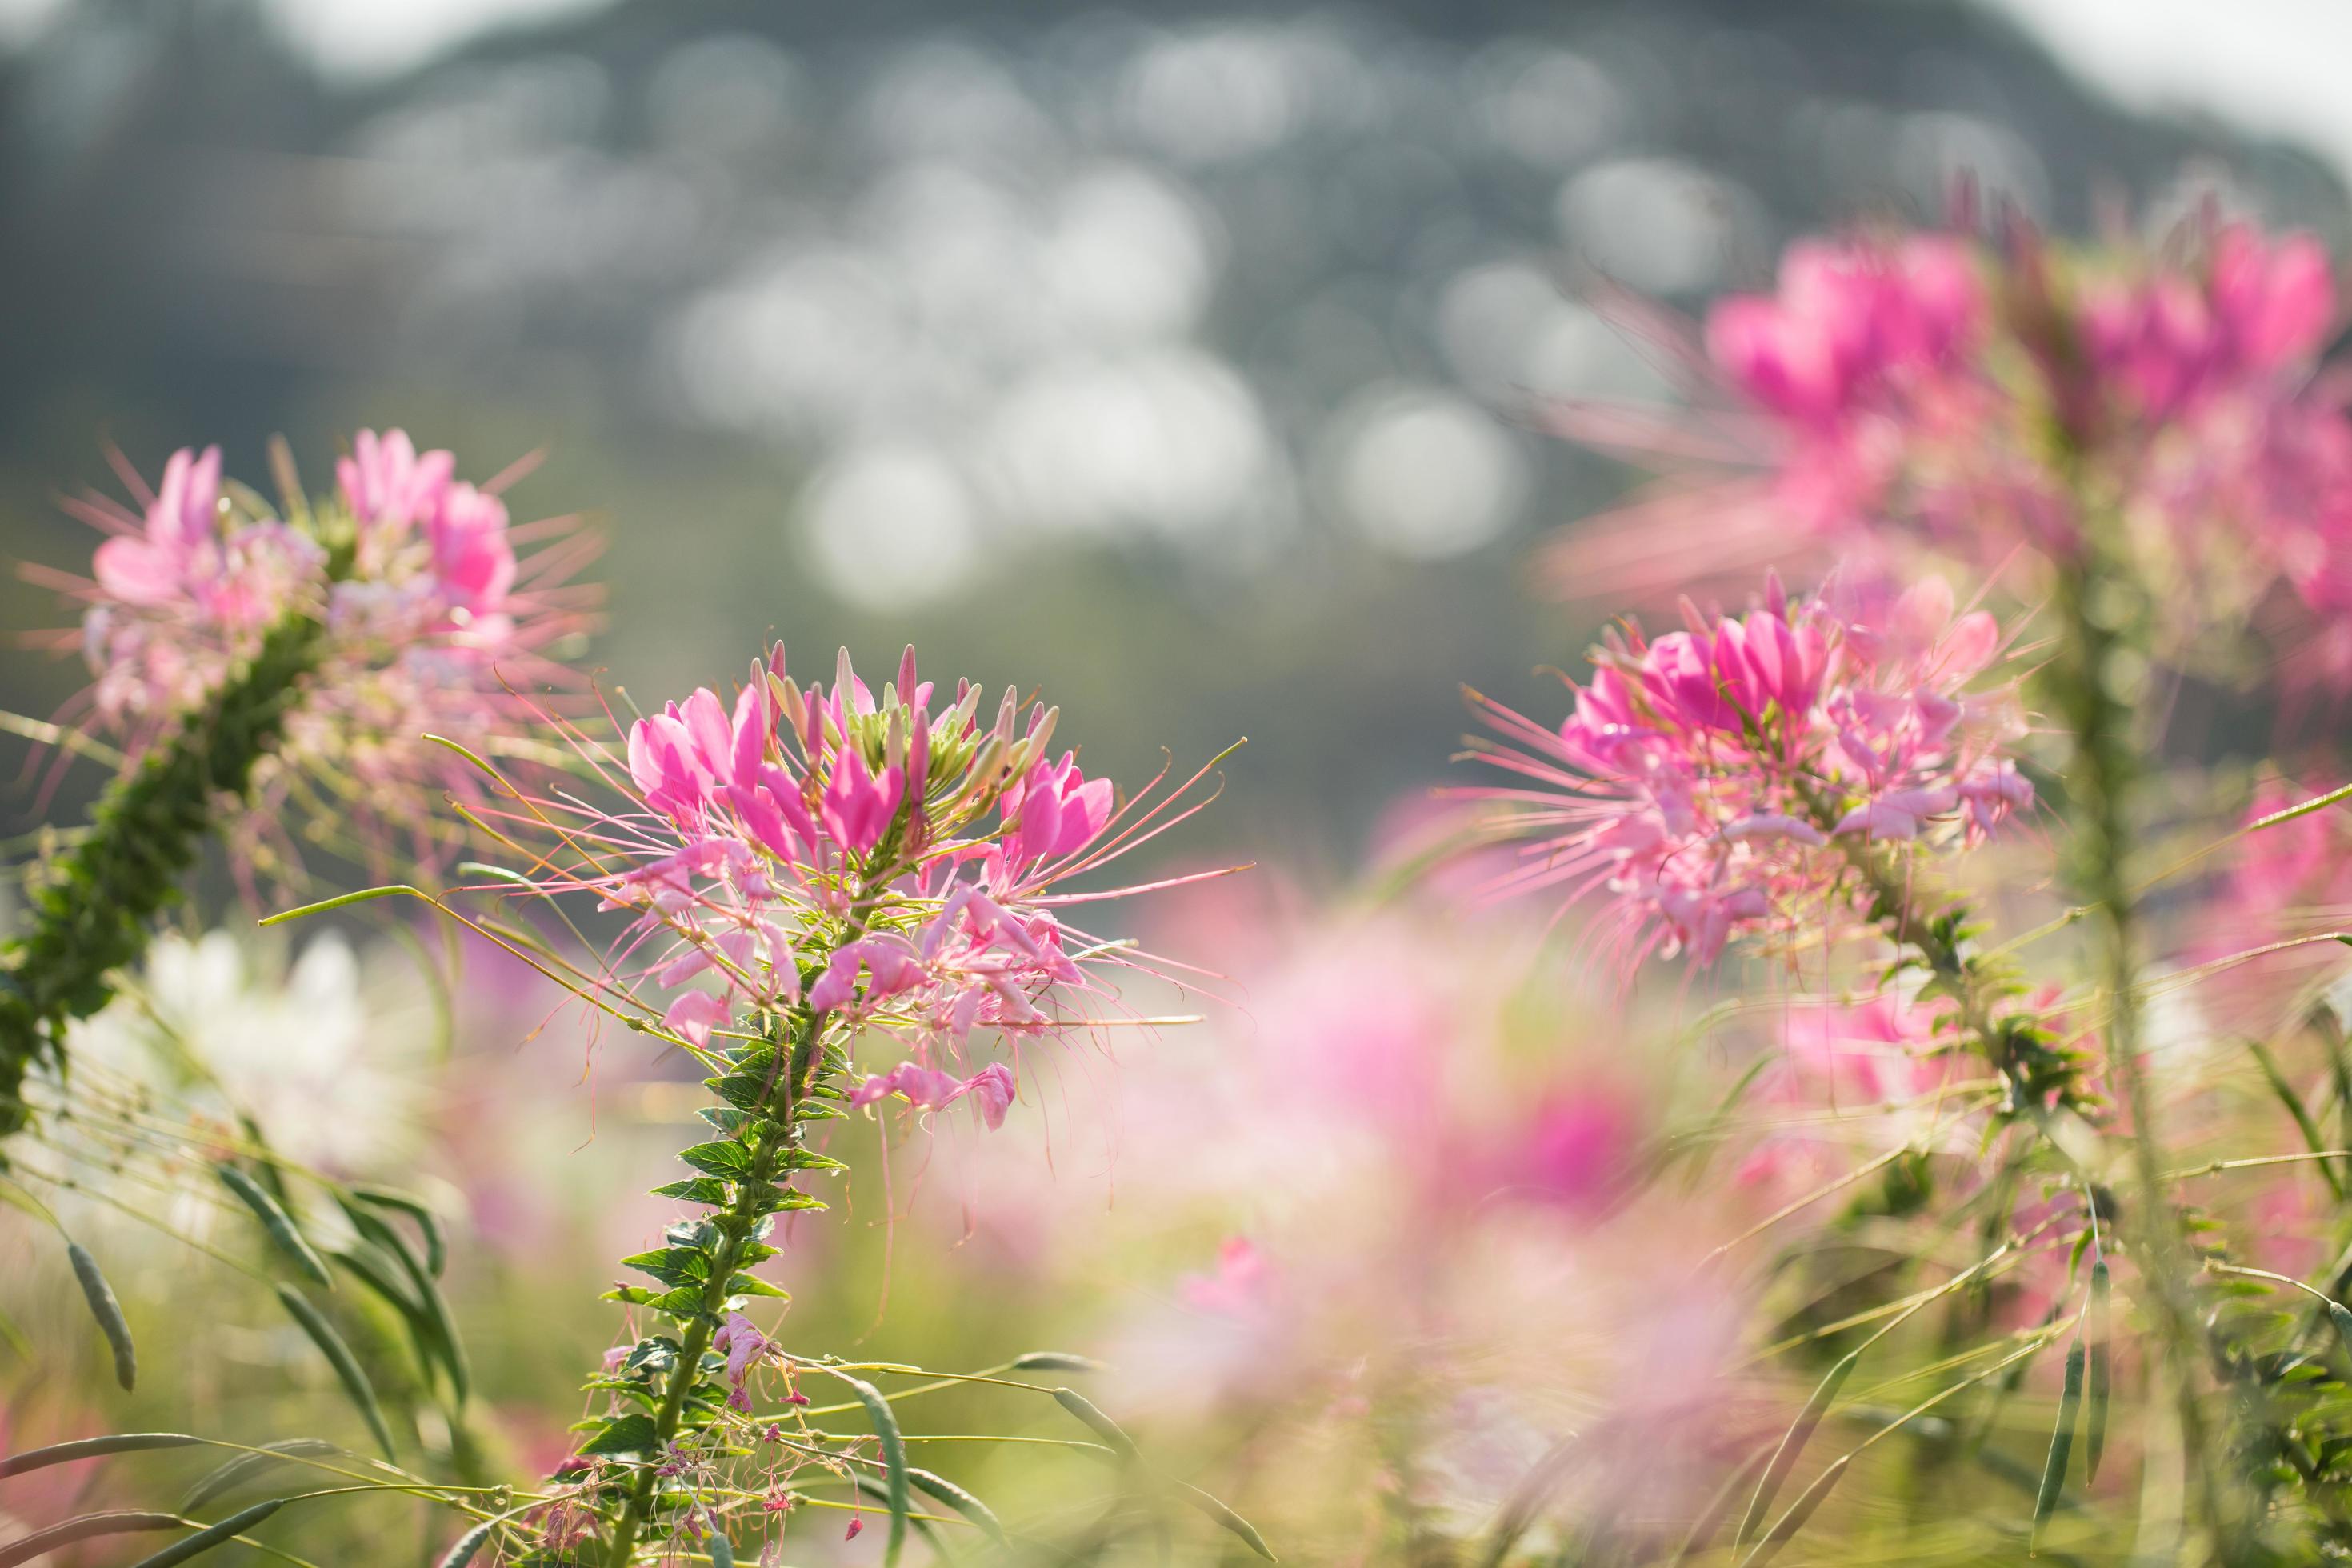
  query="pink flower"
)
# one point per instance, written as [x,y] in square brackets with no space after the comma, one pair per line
[744,1346]
[1702,780]
[753,837]
[428,630]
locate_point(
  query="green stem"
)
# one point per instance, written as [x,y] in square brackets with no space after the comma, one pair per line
[738,1224]
[2099,784]
[93,915]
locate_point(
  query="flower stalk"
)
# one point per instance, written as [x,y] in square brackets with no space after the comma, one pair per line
[94,914]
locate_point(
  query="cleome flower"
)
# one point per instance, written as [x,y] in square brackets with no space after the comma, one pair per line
[1901,391]
[888,867]
[426,622]
[1739,777]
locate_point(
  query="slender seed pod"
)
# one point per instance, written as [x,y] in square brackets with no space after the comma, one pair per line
[244,1468]
[722,1551]
[82,1527]
[109,1313]
[91,1448]
[2062,1445]
[2342,1318]
[2097,1389]
[338,1356]
[894,1459]
[205,1539]
[1800,1512]
[275,1220]
[962,1501]
[1792,1445]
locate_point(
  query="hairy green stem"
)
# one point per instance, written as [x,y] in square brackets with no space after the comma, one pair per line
[93,914]
[738,1224]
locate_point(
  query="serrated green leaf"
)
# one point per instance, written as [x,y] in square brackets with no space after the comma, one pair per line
[721,1157]
[706,1190]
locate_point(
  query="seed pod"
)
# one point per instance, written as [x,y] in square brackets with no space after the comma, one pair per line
[1807,1500]
[962,1501]
[1792,1444]
[82,1527]
[275,1220]
[109,1313]
[894,1458]
[722,1551]
[338,1356]
[238,1471]
[2061,1443]
[1108,1430]
[205,1539]
[429,1223]
[1055,1360]
[2098,1390]
[1233,1521]
[91,1448]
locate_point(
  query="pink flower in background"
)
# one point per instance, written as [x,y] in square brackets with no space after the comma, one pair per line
[1901,393]
[1717,780]
[432,626]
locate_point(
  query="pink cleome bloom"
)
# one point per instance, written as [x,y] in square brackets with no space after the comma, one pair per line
[1933,389]
[1719,781]
[431,625]
[891,863]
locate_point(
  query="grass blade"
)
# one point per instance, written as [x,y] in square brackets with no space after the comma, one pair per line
[338,1356]
[109,1313]
[2061,1443]
[279,1224]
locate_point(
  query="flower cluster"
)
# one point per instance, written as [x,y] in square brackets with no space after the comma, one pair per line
[427,619]
[883,864]
[1734,778]
[2160,402]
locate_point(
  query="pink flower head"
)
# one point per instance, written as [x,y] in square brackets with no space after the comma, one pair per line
[1906,391]
[414,583]
[890,863]
[1717,782]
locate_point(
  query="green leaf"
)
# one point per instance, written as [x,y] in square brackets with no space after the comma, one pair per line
[2312,1137]
[347,1367]
[722,1157]
[708,1190]
[671,1265]
[752,1285]
[627,1437]
[278,1223]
